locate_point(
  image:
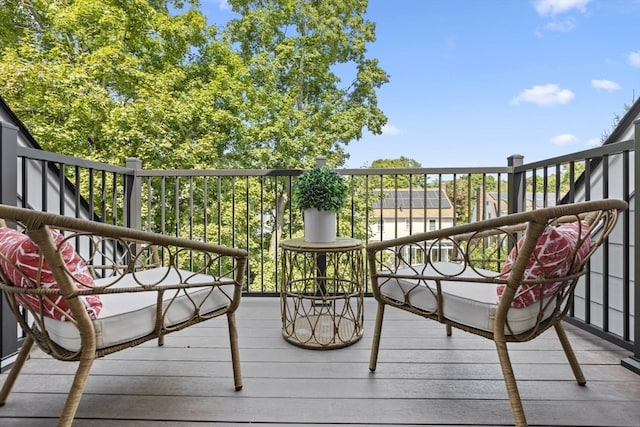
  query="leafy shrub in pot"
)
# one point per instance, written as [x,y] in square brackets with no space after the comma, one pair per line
[320,192]
[321,188]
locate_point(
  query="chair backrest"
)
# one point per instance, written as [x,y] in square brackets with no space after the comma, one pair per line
[533,259]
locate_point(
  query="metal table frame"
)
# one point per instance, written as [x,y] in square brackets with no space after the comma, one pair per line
[322,293]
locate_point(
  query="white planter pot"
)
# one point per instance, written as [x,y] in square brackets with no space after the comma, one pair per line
[319,226]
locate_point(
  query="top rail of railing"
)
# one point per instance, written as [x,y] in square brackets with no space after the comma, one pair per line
[591,153]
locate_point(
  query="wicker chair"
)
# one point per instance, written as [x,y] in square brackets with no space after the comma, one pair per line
[507,279]
[82,289]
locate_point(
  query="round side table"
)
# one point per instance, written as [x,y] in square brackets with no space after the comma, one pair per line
[322,293]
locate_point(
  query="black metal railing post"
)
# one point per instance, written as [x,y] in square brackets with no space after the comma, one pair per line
[133,195]
[9,342]
[633,362]
[515,179]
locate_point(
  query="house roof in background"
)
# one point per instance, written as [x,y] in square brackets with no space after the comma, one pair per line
[401,198]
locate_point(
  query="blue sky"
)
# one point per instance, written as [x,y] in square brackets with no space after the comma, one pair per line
[474,81]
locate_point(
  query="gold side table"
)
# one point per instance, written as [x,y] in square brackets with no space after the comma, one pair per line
[322,293]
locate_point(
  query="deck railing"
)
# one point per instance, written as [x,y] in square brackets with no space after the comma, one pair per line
[252,209]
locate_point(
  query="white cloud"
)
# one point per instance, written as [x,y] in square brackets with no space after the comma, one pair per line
[605,84]
[565,139]
[544,95]
[391,130]
[557,7]
[634,58]
[561,26]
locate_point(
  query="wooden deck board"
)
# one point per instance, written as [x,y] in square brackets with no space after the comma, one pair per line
[423,378]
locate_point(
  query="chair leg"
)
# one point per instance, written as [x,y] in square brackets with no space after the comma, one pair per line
[23,355]
[568,351]
[75,394]
[235,350]
[449,330]
[510,383]
[375,346]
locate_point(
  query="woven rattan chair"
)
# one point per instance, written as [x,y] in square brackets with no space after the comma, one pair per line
[507,279]
[82,290]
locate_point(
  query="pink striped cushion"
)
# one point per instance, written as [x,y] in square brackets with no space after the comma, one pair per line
[552,258]
[20,261]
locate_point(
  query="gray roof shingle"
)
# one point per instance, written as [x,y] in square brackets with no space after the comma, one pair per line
[413,199]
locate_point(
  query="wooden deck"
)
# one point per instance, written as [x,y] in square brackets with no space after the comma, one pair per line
[423,378]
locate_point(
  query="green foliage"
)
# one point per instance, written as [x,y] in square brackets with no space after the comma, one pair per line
[463,191]
[108,80]
[321,188]
[560,183]
[400,181]
[402,162]
[301,108]
[489,255]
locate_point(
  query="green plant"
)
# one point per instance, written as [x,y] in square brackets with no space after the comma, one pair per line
[321,188]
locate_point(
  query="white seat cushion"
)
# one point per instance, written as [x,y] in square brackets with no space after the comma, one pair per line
[128,316]
[468,303]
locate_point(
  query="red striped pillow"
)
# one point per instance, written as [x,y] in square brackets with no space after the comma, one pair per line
[20,261]
[552,258]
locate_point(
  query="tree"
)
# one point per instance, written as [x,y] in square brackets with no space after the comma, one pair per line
[302,107]
[400,181]
[107,80]
[463,191]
